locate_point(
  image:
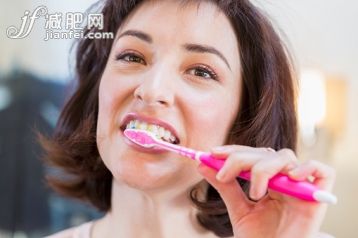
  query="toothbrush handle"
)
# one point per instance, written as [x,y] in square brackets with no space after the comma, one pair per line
[280,182]
[186,152]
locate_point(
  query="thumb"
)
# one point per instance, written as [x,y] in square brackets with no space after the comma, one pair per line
[237,204]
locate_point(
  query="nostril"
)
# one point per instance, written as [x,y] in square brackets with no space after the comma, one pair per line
[139,97]
[153,96]
[150,100]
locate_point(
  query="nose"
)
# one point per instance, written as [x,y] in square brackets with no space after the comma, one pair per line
[156,89]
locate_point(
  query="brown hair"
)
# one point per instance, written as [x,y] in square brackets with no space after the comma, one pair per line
[266,118]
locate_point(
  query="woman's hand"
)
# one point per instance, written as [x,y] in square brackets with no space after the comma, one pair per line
[274,214]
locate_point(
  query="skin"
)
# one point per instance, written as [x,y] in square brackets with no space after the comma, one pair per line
[162,80]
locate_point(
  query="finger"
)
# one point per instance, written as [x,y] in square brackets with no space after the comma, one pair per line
[324,175]
[287,153]
[290,156]
[223,151]
[263,171]
[236,163]
[245,158]
[232,194]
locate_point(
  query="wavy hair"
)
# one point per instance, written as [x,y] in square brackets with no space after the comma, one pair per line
[267,115]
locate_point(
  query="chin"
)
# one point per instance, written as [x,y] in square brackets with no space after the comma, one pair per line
[154,177]
[145,174]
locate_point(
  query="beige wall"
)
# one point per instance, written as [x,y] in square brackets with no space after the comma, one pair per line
[323,35]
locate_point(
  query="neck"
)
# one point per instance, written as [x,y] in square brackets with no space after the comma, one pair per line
[159,214]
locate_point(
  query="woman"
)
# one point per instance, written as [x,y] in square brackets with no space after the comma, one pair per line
[209,73]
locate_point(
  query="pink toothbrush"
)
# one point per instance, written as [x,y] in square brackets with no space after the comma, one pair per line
[280,183]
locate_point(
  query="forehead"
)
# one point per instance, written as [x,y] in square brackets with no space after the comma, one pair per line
[171,22]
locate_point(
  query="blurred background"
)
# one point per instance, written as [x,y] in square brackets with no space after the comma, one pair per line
[35,79]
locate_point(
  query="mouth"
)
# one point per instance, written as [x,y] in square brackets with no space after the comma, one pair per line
[160,129]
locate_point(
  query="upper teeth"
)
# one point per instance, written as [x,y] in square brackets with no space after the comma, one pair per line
[158,131]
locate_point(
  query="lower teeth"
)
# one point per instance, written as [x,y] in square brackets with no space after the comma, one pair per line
[163,139]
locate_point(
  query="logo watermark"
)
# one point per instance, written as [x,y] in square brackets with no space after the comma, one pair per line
[60,26]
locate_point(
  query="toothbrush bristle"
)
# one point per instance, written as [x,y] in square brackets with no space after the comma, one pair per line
[140,137]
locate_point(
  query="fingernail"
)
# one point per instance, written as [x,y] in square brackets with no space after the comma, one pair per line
[219,149]
[293,173]
[253,194]
[220,176]
[291,167]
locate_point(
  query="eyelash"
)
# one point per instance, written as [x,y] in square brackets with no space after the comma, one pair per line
[207,70]
[202,68]
[123,55]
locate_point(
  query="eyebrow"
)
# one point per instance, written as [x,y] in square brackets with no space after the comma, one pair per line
[139,34]
[206,49]
[189,47]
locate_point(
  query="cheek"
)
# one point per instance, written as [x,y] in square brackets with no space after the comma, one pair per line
[211,119]
[105,105]
[111,98]
[103,121]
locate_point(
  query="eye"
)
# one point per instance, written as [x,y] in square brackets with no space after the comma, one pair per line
[203,72]
[131,57]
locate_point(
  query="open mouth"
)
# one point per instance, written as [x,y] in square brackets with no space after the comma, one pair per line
[159,131]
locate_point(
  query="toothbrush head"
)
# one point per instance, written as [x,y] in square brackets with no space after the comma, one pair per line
[141,137]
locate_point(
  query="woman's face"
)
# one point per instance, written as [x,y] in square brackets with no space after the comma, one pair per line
[173,66]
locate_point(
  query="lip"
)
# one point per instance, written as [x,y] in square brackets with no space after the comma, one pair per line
[153,150]
[135,116]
